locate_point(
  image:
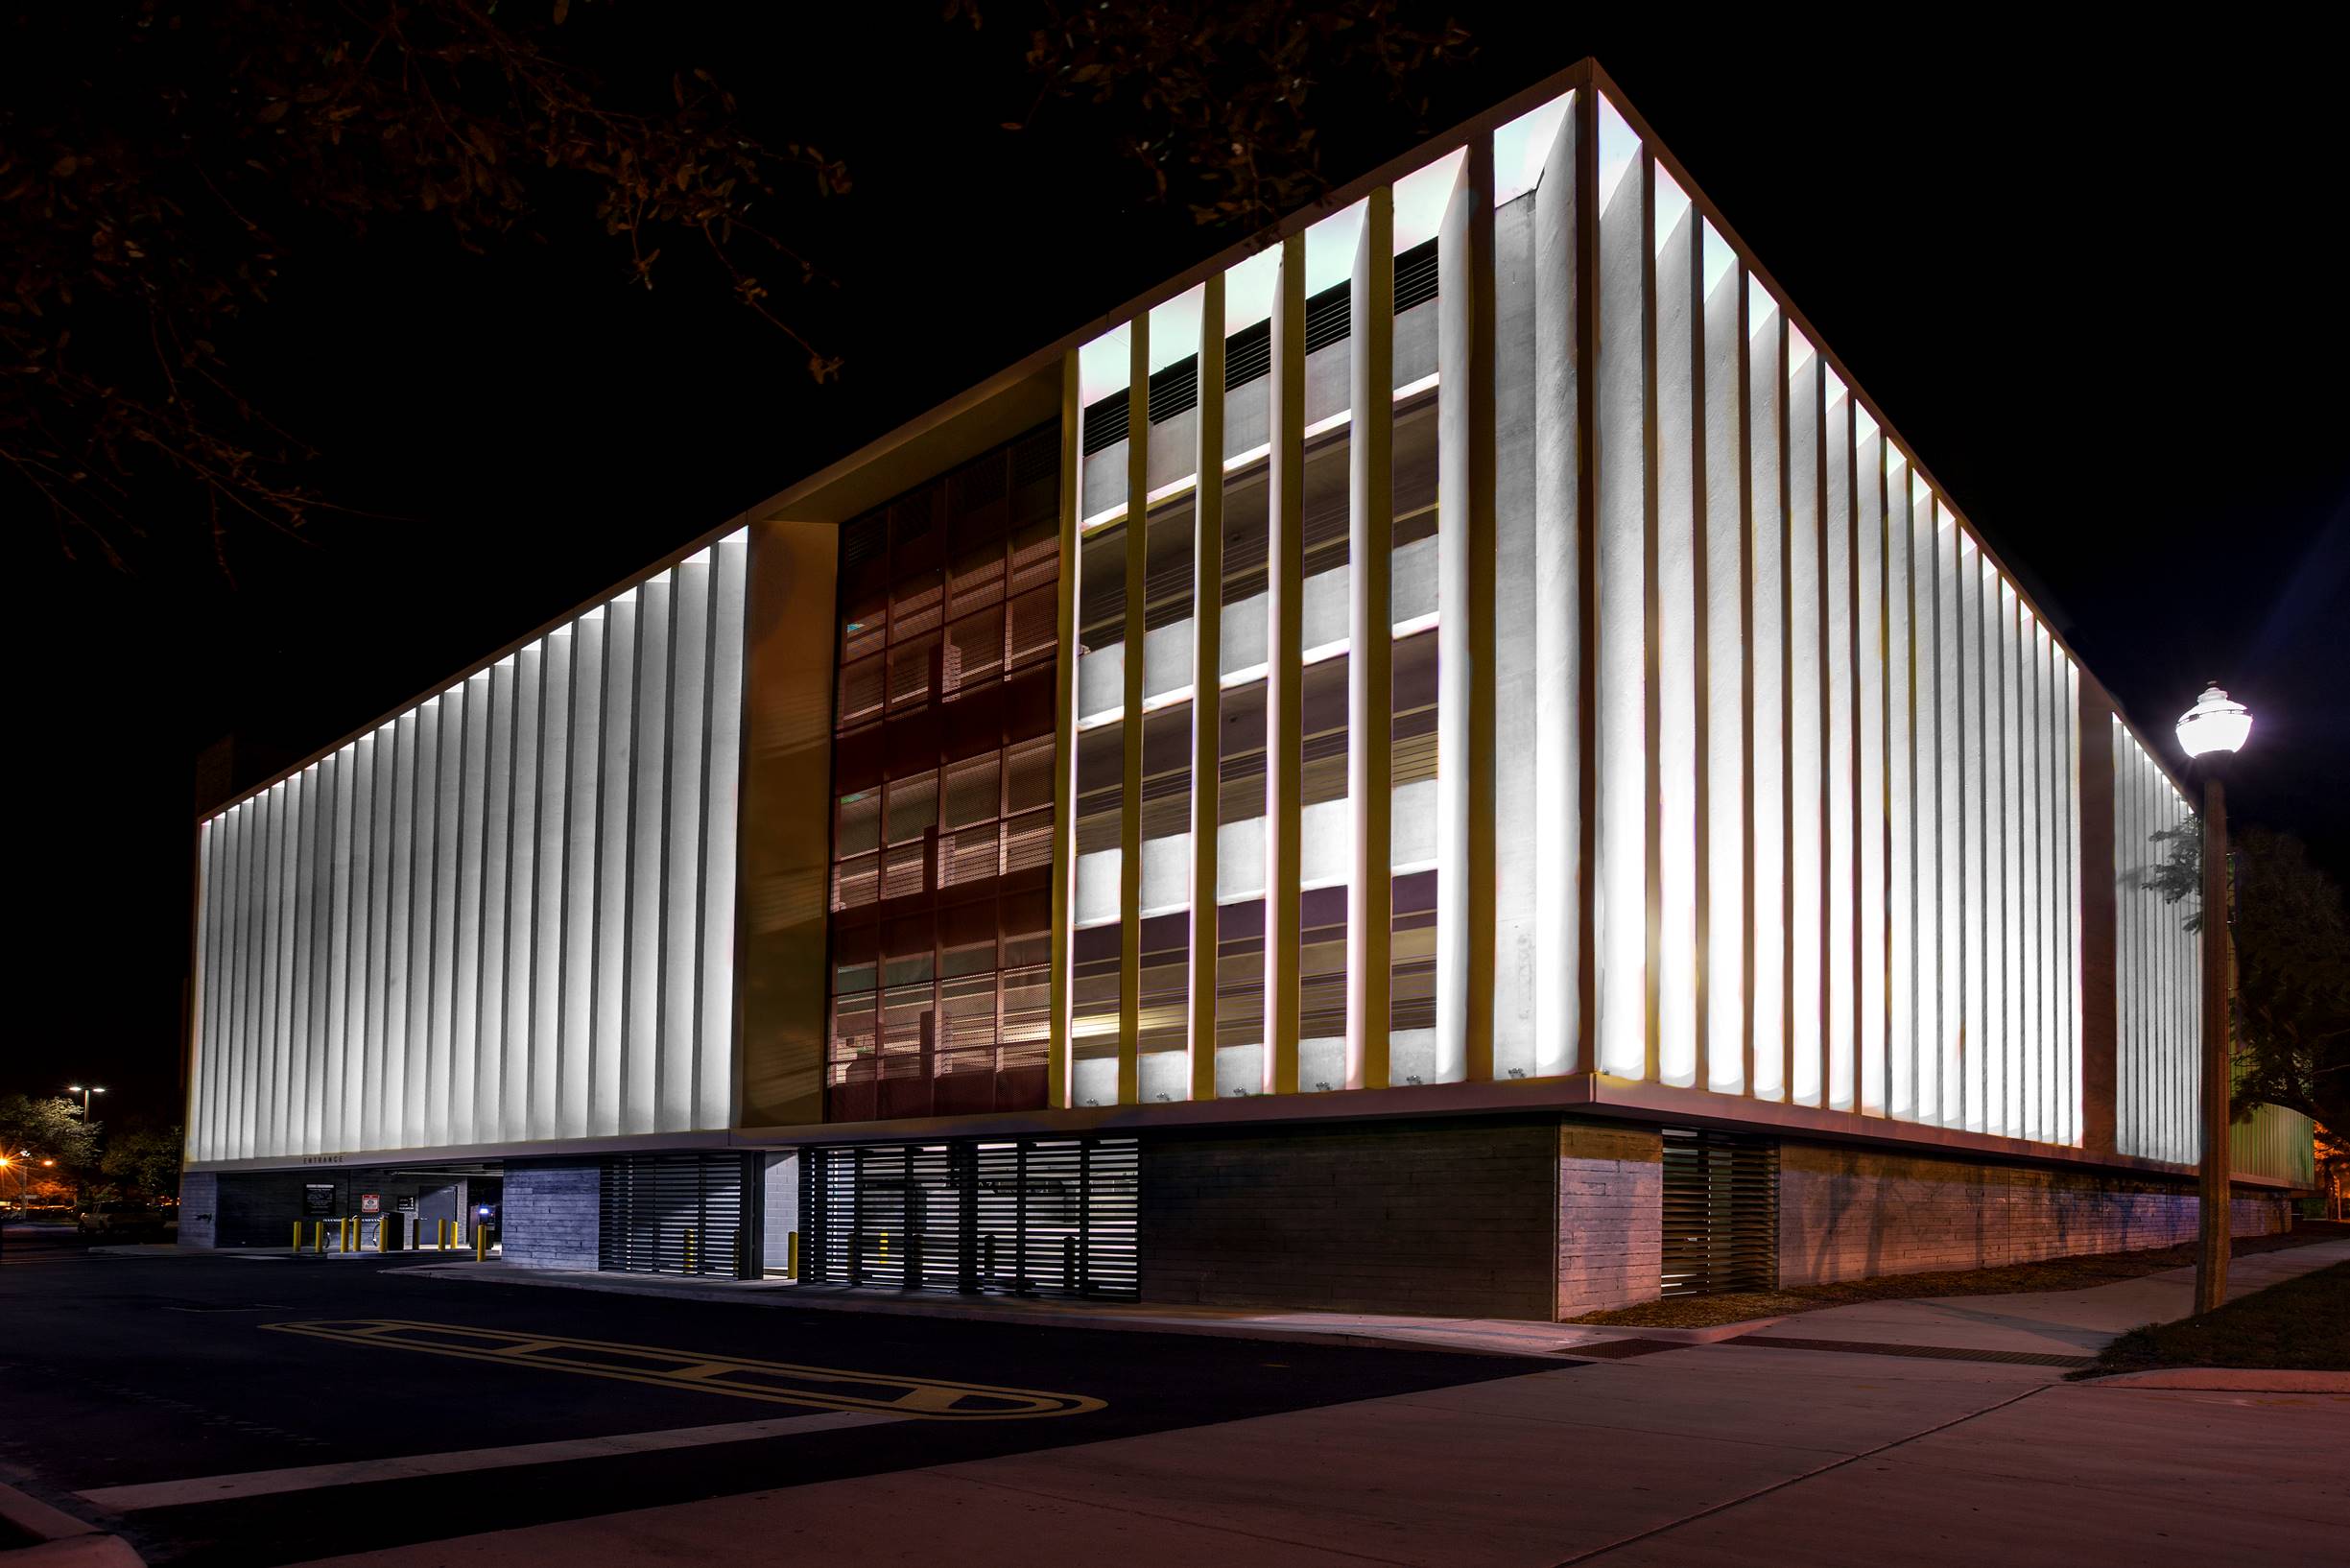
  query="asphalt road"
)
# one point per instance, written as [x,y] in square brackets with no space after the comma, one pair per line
[124,1375]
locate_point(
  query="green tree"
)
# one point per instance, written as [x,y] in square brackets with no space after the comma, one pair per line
[143,1161]
[163,163]
[2292,965]
[50,1127]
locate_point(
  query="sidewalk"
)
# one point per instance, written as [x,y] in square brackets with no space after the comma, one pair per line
[1492,1336]
[1765,1449]
[2061,1326]
[2049,1323]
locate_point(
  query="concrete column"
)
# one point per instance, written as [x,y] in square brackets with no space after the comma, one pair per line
[1370,678]
[1284,684]
[1129,734]
[1064,743]
[1465,734]
[1207,706]
[1624,519]
[1561,931]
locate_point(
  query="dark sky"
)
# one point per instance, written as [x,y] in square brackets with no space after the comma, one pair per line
[2091,286]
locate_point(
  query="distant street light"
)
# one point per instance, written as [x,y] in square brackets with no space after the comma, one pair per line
[75,1088]
[2211,733]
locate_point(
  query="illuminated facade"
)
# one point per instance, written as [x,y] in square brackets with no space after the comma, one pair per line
[1460,707]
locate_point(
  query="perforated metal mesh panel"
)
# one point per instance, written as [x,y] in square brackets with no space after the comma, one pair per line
[1722,1213]
[677,1214]
[1025,1216]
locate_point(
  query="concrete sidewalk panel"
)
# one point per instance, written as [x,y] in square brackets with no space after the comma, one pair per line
[1832,1410]
[2053,1482]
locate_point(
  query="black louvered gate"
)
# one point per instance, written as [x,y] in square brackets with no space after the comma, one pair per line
[1722,1213]
[678,1214]
[1056,1215]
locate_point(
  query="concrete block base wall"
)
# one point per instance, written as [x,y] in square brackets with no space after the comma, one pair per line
[552,1215]
[1453,1218]
[1611,1194]
[199,1199]
[1854,1214]
[240,1209]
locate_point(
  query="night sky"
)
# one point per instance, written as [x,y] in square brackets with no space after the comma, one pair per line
[2090,286]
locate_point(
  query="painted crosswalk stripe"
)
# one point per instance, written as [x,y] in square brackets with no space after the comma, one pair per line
[169,1494]
[738,1377]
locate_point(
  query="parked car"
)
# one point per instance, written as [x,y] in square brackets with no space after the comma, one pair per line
[120,1219]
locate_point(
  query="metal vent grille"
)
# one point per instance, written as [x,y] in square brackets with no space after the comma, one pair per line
[1248,353]
[1415,277]
[1329,315]
[677,1214]
[1102,424]
[1722,1213]
[1053,1216]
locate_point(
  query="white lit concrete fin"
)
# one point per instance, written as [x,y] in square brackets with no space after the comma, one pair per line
[382,936]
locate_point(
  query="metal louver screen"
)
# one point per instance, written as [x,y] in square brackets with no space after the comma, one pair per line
[677,1214]
[1053,1216]
[1248,352]
[1722,1213]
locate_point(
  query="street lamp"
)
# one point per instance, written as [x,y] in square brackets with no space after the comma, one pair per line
[2211,733]
[75,1088]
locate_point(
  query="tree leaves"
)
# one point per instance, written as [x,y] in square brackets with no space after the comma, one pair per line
[181,141]
[2291,950]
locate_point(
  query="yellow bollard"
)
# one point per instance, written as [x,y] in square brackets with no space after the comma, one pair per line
[318,1237]
[480,1245]
[790,1254]
[298,1235]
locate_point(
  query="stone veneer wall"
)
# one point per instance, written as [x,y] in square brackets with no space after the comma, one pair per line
[1612,1197]
[552,1215]
[1851,1214]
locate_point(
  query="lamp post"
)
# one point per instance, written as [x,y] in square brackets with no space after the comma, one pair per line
[85,1093]
[2211,733]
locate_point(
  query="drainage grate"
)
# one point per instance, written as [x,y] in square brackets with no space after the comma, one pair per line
[1928,1352]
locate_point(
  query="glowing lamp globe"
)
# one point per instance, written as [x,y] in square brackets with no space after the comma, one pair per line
[2215,725]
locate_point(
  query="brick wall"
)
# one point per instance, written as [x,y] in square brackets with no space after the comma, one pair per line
[1850,1214]
[552,1215]
[1611,1194]
[1453,1218]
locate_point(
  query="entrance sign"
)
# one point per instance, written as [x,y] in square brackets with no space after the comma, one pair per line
[370,1203]
[318,1198]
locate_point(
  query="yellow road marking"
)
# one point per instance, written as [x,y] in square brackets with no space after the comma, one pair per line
[776,1383]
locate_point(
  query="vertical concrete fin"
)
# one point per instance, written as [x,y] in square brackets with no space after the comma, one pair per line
[1207,637]
[1465,714]
[1283,691]
[1131,734]
[1370,681]
[1560,927]
[1064,741]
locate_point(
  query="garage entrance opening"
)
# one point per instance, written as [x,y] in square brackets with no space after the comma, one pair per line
[1029,1216]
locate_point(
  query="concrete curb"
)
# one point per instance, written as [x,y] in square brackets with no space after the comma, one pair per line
[2227,1380]
[1538,1342]
[59,1539]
